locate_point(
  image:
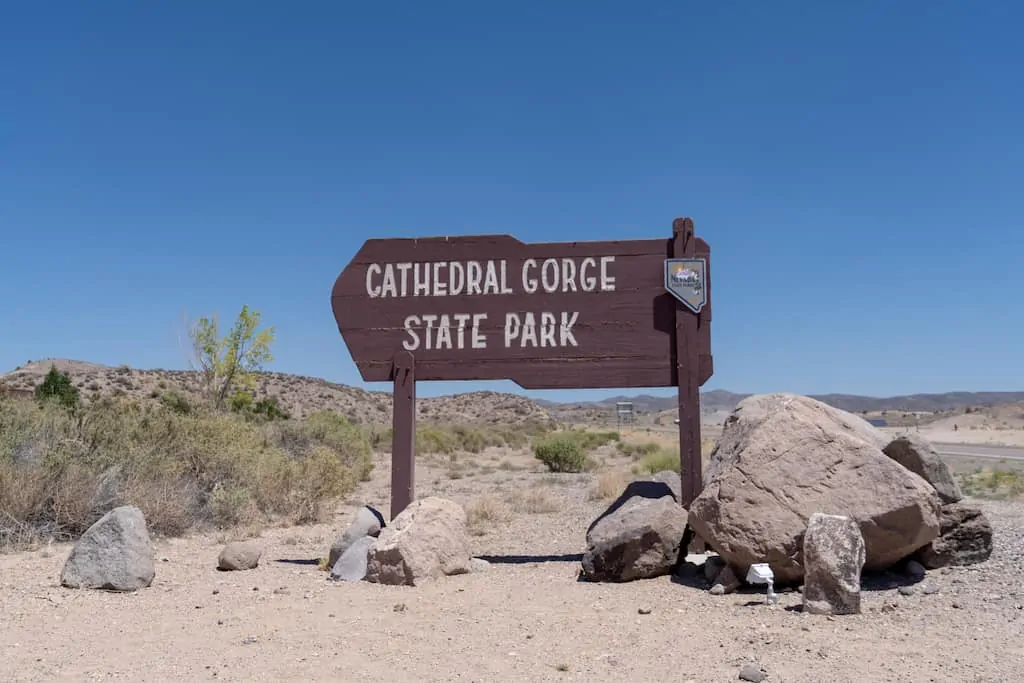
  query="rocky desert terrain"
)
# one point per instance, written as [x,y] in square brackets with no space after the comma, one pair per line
[525,611]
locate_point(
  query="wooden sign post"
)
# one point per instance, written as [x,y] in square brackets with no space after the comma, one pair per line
[548,315]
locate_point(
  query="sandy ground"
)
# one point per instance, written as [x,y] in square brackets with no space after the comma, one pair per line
[989,437]
[527,618]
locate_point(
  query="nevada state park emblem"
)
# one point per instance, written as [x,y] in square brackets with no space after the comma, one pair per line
[685,279]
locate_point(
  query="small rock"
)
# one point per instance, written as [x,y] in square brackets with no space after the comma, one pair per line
[239,556]
[644,610]
[931,590]
[916,570]
[367,522]
[834,554]
[713,566]
[907,591]
[478,565]
[752,673]
[251,640]
[728,580]
[717,589]
[351,565]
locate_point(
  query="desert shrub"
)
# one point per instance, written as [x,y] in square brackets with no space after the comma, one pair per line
[609,485]
[639,450]
[659,461]
[348,441]
[184,470]
[994,483]
[176,402]
[57,386]
[561,453]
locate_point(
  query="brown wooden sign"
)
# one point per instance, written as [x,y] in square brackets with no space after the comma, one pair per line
[544,315]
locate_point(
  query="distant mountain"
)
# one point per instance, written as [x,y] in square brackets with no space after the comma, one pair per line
[719,400]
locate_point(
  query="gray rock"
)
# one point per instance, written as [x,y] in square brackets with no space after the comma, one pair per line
[713,566]
[351,566]
[240,556]
[426,541]
[114,554]
[916,454]
[752,673]
[728,580]
[965,538]
[915,570]
[637,537]
[782,458]
[367,522]
[834,555]
[717,589]
[107,494]
[478,565]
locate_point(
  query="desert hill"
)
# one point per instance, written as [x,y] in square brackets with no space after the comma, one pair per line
[297,394]
[720,400]
[302,395]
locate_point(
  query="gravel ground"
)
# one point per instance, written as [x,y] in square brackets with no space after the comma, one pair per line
[526,618]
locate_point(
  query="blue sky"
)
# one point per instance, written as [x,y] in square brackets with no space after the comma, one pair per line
[856,167]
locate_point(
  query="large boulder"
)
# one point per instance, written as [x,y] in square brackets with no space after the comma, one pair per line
[965,537]
[638,536]
[782,458]
[113,554]
[834,555]
[367,522]
[425,541]
[916,454]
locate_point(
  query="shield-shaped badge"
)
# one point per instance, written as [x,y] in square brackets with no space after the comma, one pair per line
[686,280]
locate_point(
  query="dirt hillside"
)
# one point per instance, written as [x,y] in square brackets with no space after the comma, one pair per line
[297,394]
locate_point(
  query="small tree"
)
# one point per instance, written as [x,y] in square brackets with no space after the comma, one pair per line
[57,385]
[230,362]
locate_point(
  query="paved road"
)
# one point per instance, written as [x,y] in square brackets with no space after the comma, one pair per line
[973,451]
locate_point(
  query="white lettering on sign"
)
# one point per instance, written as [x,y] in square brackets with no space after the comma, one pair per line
[431,332]
[475,278]
[459,331]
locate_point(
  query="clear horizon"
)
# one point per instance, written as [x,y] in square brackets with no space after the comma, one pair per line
[855,169]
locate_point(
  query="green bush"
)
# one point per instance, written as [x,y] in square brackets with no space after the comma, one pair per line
[561,453]
[659,461]
[185,470]
[57,386]
[639,450]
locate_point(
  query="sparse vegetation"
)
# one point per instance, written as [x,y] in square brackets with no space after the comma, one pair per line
[993,483]
[561,453]
[57,386]
[230,362]
[659,461]
[538,500]
[609,485]
[184,469]
[484,513]
[568,451]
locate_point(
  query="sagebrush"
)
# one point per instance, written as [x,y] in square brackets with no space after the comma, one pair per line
[186,467]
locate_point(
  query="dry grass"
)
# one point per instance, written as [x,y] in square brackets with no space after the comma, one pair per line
[485,513]
[994,483]
[60,470]
[538,500]
[608,485]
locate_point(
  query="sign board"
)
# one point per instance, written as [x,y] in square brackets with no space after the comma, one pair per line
[624,412]
[549,315]
[601,314]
